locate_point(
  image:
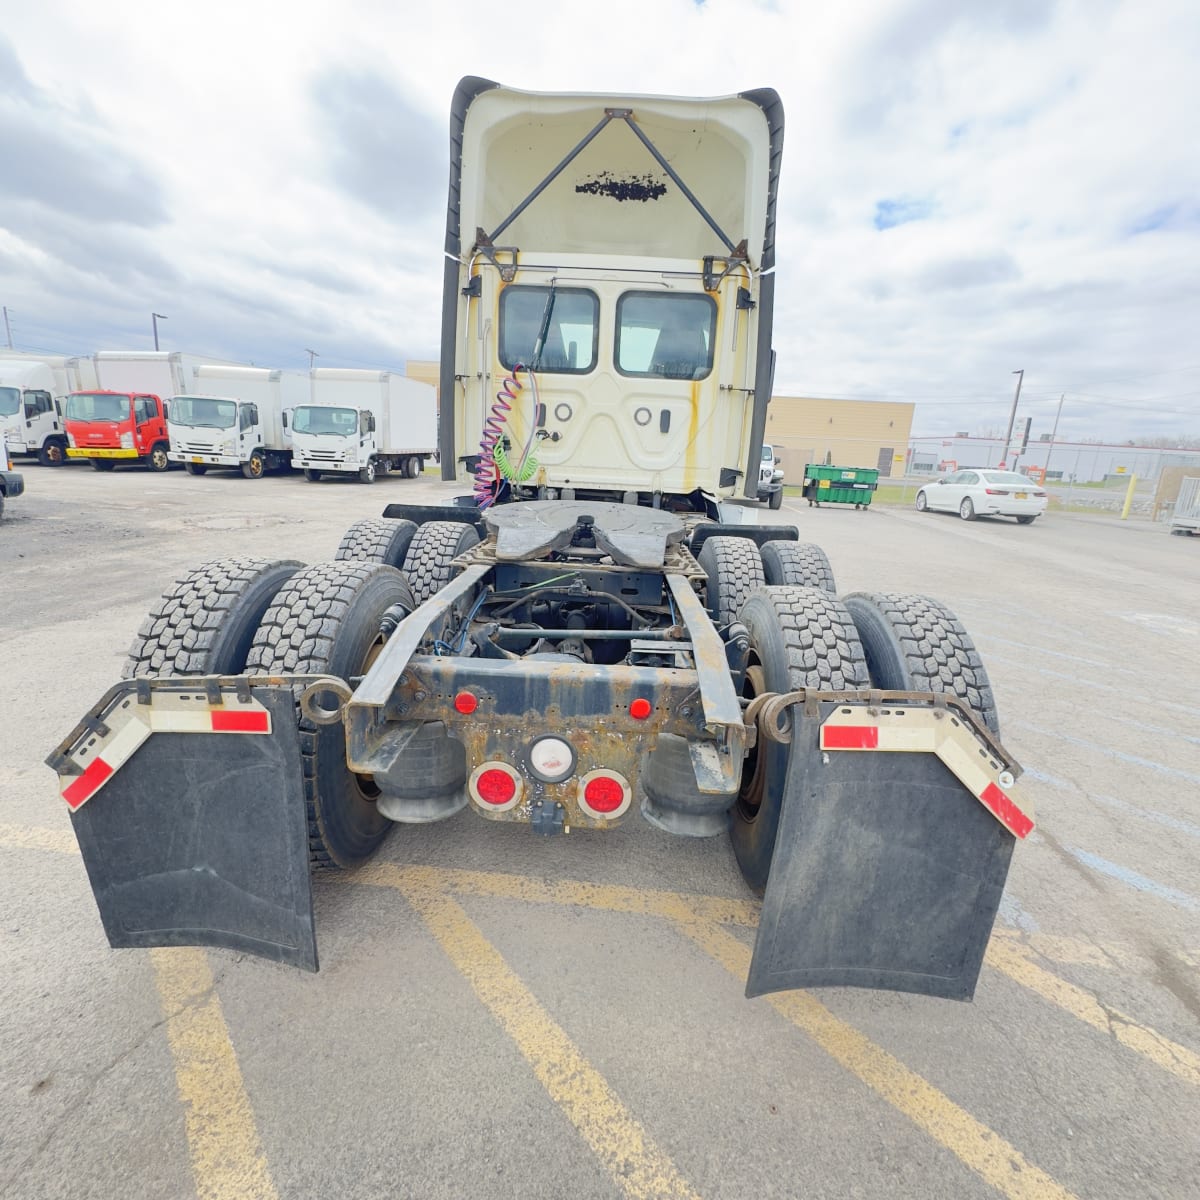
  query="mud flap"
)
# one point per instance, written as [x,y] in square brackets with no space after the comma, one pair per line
[888,869]
[196,838]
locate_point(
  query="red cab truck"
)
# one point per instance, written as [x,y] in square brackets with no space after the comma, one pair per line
[111,427]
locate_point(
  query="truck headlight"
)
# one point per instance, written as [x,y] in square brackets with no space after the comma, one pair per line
[127,441]
[71,440]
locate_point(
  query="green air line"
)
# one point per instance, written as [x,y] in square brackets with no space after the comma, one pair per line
[528,467]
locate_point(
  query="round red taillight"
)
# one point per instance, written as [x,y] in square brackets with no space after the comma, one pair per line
[640,708]
[495,786]
[466,703]
[604,793]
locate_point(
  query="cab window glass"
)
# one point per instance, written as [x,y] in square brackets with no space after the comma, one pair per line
[571,332]
[37,403]
[665,336]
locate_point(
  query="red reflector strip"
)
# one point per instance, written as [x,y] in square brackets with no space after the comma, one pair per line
[233,721]
[87,784]
[850,737]
[1005,811]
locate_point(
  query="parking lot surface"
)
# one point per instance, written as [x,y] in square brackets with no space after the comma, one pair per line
[501,1015]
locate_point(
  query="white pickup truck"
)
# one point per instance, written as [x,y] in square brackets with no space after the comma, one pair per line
[770,478]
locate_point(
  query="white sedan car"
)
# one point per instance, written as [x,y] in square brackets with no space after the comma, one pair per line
[985,493]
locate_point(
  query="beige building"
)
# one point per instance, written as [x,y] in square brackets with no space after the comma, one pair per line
[852,433]
[424,371]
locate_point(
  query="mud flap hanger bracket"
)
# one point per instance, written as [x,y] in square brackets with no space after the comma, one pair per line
[907,722]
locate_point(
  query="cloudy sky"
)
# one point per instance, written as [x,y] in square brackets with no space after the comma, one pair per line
[968,187]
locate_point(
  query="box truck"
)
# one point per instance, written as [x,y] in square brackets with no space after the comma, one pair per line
[365,423]
[30,415]
[233,417]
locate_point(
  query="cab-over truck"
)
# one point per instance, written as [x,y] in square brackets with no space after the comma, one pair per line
[582,640]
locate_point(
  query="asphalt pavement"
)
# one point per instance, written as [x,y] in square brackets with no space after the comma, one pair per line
[501,1015]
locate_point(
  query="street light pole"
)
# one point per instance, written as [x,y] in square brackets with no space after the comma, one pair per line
[1053,435]
[154,319]
[1012,416]
[311,355]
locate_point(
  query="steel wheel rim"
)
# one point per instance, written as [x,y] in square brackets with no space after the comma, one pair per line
[754,772]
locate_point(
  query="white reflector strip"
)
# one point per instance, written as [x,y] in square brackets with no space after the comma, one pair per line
[130,726]
[929,731]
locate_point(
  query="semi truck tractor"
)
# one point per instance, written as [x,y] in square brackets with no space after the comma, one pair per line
[364,423]
[31,420]
[235,419]
[580,640]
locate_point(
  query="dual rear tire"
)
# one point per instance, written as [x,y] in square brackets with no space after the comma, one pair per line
[278,617]
[803,637]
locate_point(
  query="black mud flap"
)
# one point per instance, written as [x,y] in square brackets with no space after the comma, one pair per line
[887,873]
[199,838]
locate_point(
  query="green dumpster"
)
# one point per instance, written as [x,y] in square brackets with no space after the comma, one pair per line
[839,485]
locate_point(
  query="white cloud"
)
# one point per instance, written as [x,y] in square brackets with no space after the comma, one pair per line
[274,177]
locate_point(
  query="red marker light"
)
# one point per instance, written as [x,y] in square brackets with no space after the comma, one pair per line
[466,703]
[604,794]
[640,709]
[496,786]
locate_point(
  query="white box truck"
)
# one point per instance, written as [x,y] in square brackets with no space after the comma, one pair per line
[31,416]
[160,373]
[366,423]
[233,417]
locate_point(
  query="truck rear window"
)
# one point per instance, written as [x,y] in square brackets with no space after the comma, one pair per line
[571,334]
[665,336]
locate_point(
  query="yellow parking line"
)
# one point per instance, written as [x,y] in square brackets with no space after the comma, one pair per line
[637,1165]
[569,892]
[981,1149]
[1010,957]
[22,837]
[1004,954]
[226,1155]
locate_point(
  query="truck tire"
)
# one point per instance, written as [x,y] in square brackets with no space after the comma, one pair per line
[2,508]
[430,558]
[195,468]
[255,467]
[775,500]
[799,637]
[916,644]
[157,459]
[367,474]
[326,621]
[53,453]
[802,564]
[378,540]
[734,569]
[311,475]
[206,623]
[102,464]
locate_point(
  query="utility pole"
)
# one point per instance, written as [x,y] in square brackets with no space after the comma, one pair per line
[7,328]
[1012,416]
[154,320]
[1053,435]
[311,355]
